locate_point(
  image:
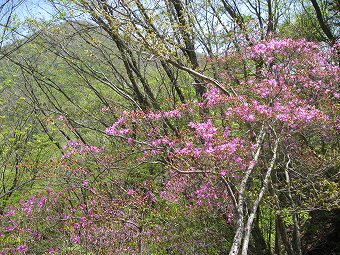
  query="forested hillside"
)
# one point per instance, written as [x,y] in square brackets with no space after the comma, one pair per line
[169,127]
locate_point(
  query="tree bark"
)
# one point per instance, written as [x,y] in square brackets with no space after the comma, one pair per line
[237,241]
[258,200]
[324,26]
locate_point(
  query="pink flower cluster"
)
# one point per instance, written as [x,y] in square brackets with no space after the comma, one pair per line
[166,114]
[273,47]
[214,97]
[113,130]
[204,130]
[77,147]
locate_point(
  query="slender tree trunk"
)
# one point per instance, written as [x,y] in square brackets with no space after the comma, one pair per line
[296,231]
[260,244]
[277,248]
[284,236]
[258,200]
[238,237]
[324,26]
[188,38]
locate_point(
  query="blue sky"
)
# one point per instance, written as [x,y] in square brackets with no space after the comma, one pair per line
[38,9]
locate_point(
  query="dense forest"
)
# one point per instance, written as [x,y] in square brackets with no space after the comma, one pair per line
[169,127]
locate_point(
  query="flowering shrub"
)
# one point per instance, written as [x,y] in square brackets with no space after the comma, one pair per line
[216,156]
[212,148]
